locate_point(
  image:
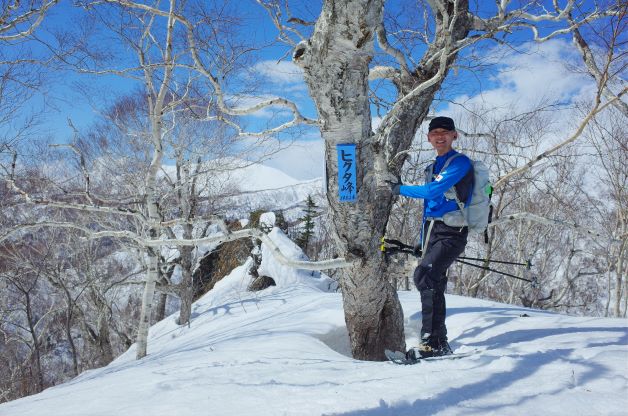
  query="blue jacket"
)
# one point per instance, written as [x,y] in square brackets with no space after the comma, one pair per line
[436,205]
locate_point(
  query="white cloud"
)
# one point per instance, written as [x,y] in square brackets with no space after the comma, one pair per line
[305,159]
[284,74]
[283,78]
[533,74]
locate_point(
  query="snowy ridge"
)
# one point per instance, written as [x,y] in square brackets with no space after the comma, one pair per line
[253,186]
[283,351]
[282,198]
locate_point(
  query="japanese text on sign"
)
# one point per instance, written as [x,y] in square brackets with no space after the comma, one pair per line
[347,190]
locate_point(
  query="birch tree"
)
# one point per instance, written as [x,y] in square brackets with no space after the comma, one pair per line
[338,62]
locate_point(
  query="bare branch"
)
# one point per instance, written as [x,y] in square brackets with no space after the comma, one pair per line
[601,76]
[395,53]
[274,11]
[585,121]
[298,118]
[10,23]
[218,239]
[548,221]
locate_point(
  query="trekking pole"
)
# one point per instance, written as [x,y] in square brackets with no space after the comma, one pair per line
[396,243]
[399,247]
[533,280]
[527,264]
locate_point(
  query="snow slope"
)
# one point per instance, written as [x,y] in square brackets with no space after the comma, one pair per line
[284,351]
[252,186]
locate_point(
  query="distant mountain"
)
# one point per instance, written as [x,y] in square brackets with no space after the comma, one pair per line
[253,186]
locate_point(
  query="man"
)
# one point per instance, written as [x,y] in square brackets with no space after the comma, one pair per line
[440,243]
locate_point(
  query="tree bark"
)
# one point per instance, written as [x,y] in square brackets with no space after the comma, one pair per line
[36,350]
[186,287]
[156,102]
[336,61]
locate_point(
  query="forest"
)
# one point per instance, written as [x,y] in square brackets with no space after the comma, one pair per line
[130,209]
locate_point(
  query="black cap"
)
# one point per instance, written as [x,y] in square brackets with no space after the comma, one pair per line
[442,123]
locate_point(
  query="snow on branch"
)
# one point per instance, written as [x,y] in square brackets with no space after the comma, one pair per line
[379,72]
[92,234]
[297,119]
[255,233]
[506,22]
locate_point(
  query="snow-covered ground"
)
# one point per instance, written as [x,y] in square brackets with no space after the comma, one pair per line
[284,351]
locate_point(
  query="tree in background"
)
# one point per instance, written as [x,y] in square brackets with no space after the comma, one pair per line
[307,229]
[609,206]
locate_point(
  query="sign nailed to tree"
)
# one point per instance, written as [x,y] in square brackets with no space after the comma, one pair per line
[347,189]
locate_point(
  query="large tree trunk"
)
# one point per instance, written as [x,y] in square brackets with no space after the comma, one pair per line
[336,66]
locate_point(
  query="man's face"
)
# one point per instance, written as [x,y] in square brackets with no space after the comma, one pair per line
[441,140]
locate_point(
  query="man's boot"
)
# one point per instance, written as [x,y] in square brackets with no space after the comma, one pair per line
[440,346]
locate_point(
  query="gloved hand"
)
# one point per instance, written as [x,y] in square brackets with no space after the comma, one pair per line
[394,185]
[417,251]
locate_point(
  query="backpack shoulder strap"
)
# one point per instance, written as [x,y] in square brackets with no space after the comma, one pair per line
[450,159]
[455,194]
[429,172]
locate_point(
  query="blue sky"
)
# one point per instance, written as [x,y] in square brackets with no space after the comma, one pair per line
[513,80]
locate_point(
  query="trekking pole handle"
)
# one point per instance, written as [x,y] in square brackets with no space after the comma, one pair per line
[395,242]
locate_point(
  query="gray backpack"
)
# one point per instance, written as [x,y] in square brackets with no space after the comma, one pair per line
[476,215]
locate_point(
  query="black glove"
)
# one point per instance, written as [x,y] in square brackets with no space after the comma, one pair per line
[417,251]
[394,186]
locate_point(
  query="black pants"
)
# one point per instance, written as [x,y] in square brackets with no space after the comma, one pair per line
[445,244]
